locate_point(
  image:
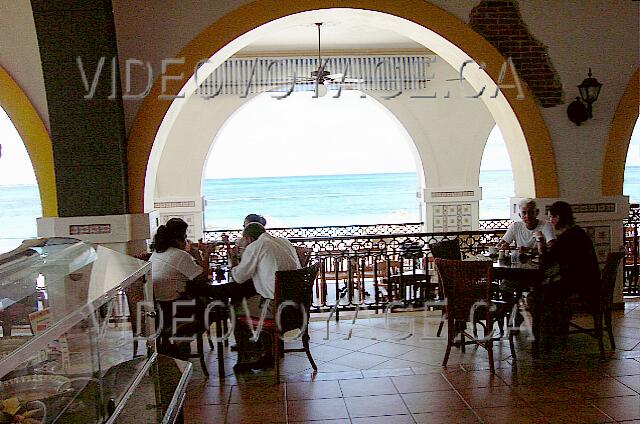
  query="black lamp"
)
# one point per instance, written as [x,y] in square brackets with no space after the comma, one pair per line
[589,91]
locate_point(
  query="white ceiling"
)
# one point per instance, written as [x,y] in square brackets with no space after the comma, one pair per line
[338,33]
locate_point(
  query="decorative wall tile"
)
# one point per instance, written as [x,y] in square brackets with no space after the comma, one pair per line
[455,217]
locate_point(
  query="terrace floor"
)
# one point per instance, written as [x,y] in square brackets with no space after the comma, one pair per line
[389,372]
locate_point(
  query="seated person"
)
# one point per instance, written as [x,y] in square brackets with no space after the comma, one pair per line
[263,256]
[571,268]
[235,253]
[177,270]
[524,232]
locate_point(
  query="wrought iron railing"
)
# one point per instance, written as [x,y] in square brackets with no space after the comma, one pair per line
[494,224]
[631,287]
[372,270]
[337,235]
[326,231]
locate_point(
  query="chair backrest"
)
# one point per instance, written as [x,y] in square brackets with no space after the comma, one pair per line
[304,255]
[295,286]
[464,283]
[608,277]
[446,249]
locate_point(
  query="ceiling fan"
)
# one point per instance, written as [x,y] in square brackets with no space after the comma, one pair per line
[321,75]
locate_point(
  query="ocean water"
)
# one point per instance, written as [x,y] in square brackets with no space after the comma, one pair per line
[297,201]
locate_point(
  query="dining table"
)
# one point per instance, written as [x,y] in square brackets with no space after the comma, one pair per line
[524,276]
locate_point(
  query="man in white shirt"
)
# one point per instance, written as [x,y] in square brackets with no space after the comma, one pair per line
[525,232]
[263,256]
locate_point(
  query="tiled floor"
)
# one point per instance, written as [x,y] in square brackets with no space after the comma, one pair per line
[389,372]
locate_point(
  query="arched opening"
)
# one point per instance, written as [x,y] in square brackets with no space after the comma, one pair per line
[528,139]
[620,130]
[301,161]
[631,185]
[19,198]
[496,178]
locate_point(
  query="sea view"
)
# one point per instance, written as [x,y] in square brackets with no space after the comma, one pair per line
[297,201]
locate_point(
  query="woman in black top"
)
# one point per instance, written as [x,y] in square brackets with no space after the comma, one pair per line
[571,269]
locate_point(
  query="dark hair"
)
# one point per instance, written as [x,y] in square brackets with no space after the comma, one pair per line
[254,217]
[253,230]
[169,235]
[564,213]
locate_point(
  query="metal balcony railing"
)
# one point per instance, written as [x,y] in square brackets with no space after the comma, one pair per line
[337,247]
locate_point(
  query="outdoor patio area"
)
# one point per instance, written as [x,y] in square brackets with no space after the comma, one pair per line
[389,372]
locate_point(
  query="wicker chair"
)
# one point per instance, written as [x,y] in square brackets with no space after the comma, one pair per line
[467,288]
[294,287]
[602,311]
[445,249]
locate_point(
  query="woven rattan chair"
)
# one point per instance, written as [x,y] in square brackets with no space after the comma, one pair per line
[602,311]
[467,288]
[293,298]
[445,249]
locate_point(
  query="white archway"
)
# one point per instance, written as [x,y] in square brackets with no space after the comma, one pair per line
[475,119]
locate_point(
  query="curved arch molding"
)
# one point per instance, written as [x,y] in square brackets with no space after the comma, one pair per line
[615,154]
[35,137]
[259,12]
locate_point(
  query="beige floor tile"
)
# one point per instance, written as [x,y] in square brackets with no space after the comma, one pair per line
[208,395]
[572,412]
[361,360]
[553,392]
[252,413]
[331,367]
[389,419]
[446,400]
[324,353]
[388,349]
[461,416]
[367,387]
[257,394]
[424,356]
[622,367]
[420,383]
[205,414]
[620,408]
[317,409]
[313,390]
[631,381]
[468,379]
[339,375]
[375,406]
[386,372]
[491,397]
[511,414]
[625,343]
[338,421]
[352,343]
[396,363]
[607,387]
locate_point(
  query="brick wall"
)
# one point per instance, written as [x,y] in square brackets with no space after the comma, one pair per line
[499,21]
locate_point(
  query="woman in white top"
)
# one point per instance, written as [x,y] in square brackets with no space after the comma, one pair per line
[172,265]
[178,273]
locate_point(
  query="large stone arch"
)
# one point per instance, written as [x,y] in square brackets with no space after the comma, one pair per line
[448,37]
[35,137]
[620,129]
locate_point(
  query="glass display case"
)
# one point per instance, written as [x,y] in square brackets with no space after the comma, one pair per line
[66,356]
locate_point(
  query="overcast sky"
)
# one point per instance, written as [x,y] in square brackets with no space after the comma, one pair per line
[301,136]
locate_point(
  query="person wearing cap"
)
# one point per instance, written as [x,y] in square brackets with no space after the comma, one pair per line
[263,256]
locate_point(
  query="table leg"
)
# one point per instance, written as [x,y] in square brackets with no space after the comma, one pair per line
[220,346]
